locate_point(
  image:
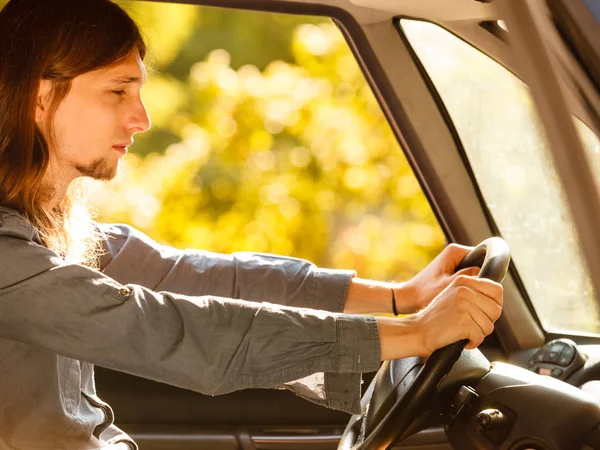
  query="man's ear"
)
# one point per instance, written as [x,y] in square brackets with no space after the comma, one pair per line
[43,99]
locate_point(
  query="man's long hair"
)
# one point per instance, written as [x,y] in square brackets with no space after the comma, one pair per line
[54,40]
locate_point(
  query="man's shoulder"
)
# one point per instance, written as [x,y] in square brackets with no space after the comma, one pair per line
[23,256]
[120,232]
[14,224]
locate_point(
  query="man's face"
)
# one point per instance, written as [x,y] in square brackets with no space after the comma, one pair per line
[96,121]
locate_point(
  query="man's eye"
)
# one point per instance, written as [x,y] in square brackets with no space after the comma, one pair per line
[119,93]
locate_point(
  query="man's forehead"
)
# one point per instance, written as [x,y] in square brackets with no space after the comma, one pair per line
[130,70]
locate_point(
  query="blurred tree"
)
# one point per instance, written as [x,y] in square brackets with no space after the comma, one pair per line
[293,158]
[181,35]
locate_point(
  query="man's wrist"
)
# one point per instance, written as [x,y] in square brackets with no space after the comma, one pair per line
[400,338]
[368,296]
[405,296]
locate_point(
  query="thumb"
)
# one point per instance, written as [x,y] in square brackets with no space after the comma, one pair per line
[468,271]
[453,255]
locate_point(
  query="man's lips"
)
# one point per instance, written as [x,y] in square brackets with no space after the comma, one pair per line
[121,149]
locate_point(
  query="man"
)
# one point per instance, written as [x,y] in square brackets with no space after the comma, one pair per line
[74,293]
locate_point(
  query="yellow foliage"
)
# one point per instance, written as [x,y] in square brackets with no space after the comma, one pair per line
[165,26]
[296,159]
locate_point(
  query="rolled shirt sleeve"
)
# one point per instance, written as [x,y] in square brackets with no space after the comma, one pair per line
[206,343]
[132,257]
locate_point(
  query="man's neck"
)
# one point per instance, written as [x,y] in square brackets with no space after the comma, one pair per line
[58,184]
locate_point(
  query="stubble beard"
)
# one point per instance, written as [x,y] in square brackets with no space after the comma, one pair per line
[100,170]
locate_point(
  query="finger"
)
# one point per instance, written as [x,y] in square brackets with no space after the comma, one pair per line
[455,253]
[475,334]
[471,322]
[483,321]
[487,287]
[472,345]
[468,271]
[481,326]
[487,306]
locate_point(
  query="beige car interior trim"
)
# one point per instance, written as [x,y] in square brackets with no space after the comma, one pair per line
[434,10]
[530,24]
[575,79]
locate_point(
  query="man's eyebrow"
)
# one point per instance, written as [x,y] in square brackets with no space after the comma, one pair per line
[126,80]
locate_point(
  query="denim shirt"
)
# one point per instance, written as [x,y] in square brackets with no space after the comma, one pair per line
[207,322]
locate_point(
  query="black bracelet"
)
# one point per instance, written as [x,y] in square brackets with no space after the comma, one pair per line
[394,310]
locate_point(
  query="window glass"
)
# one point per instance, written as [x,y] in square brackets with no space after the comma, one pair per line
[503,139]
[266,137]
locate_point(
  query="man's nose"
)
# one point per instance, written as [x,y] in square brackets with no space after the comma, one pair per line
[140,120]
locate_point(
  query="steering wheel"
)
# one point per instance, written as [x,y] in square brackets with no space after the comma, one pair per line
[403,389]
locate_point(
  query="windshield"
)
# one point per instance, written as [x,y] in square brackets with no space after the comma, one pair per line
[503,139]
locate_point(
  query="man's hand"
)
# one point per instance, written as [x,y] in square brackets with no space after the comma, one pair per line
[419,291]
[466,309]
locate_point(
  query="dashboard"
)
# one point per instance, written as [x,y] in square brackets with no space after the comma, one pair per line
[538,400]
[562,359]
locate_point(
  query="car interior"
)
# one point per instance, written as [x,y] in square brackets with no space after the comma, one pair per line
[504,143]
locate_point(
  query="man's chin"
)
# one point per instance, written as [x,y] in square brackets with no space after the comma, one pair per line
[106,177]
[101,170]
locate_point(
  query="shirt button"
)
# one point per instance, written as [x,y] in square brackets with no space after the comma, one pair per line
[125,292]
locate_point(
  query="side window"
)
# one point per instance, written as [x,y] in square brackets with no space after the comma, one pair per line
[503,139]
[267,138]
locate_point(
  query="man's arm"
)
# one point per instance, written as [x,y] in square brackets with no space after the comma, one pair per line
[132,257]
[294,281]
[204,343]
[216,345]
[297,282]
[367,296]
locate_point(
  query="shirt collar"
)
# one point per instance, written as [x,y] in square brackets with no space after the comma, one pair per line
[13,223]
